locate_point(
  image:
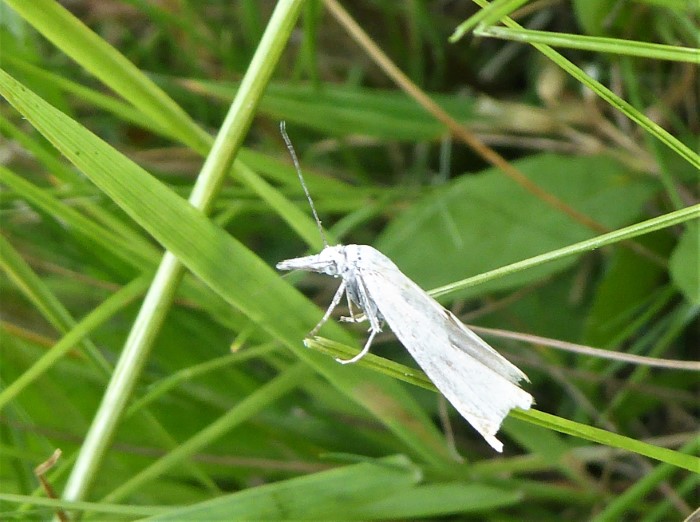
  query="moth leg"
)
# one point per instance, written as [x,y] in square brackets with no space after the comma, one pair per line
[357,319]
[369,308]
[364,351]
[336,299]
[350,310]
[371,314]
[353,318]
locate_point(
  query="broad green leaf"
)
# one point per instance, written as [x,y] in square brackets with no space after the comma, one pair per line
[481,222]
[594,16]
[435,500]
[319,496]
[685,264]
[625,286]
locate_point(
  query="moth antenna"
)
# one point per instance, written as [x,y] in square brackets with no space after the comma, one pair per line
[293,154]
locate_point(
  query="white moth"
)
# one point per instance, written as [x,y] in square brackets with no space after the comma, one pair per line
[480,383]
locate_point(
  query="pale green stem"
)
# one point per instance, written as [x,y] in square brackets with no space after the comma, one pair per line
[160,295]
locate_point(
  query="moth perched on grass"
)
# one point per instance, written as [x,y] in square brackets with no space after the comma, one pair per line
[479,382]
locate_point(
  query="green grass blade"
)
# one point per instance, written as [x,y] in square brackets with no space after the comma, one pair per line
[41,296]
[418,378]
[92,508]
[124,111]
[626,502]
[102,60]
[676,458]
[80,331]
[171,382]
[645,227]
[241,412]
[169,274]
[132,249]
[486,16]
[296,219]
[214,428]
[248,283]
[652,51]
[613,99]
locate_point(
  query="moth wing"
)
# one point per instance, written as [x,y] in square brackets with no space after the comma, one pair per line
[477,380]
[472,344]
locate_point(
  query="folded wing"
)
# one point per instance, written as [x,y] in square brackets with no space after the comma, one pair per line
[479,382]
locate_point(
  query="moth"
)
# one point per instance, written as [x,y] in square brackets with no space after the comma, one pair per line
[479,382]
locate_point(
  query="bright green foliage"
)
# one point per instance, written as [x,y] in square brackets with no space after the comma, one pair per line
[123,125]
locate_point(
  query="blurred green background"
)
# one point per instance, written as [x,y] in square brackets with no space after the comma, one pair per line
[226,411]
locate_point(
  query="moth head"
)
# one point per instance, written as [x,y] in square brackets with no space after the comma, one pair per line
[331,261]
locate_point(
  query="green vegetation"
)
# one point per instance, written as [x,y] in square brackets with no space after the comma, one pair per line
[534,164]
